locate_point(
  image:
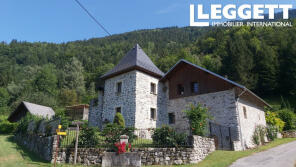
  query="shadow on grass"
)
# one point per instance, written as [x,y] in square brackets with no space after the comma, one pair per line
[28,155]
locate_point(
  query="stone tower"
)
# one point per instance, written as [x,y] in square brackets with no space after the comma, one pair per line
[131,88]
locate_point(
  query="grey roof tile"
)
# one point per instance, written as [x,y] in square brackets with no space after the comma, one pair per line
[136,57]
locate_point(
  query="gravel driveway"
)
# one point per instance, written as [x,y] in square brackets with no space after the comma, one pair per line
[280,156]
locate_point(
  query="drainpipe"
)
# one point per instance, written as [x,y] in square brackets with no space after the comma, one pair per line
[237,110]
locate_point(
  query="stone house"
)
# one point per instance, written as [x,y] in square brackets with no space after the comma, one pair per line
[148,98]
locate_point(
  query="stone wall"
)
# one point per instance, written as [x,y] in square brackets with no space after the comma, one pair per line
[201,147]
[289,134]
[42,146]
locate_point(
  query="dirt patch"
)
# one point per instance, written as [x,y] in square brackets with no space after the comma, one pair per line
[10,157]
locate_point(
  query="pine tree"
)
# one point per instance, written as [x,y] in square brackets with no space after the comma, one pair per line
[119,120]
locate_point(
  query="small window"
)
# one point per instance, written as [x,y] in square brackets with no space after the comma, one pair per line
[245,112]
[118,109]
[153,113]
[153,88]
[171,118]
[118,87]
[180,89]
[194,87]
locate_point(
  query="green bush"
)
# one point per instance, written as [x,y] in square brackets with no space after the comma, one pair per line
[274,121]
[167,137]
[112,133]
[6,127]
[119,120]
[289,118]
[271,131]
[259,134]
[89,136]
[198,116]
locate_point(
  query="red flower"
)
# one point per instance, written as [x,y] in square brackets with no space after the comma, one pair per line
[120,147]
[129,146]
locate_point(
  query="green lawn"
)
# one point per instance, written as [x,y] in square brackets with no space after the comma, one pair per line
[12,155]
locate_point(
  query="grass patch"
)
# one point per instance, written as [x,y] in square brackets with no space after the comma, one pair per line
[221,158]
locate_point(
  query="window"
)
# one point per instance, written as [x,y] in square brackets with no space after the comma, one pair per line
[194,87]
[245,112]
[153,113]
[180,89]
[153,88]
[171,118]
[118,87]
[118,109]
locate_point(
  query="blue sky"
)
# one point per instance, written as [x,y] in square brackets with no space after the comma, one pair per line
[63,20]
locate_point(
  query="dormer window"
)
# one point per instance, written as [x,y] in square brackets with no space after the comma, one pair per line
[153,88]
[180,89]
[118,87]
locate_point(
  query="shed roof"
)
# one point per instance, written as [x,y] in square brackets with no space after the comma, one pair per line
[34,109]
[136,58]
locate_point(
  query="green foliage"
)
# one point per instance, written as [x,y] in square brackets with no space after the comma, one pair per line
[288,117]
[271,131]
[261,58]
[4,99]
[273,119]
[259,134]
[46,80]
[112,133]
[198,116]
[68,97]
[167,137]
[119,120]
[6,127]
[89,136]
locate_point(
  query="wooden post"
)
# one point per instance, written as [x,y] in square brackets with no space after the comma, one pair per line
[56,151]
[77,123]
[76,143]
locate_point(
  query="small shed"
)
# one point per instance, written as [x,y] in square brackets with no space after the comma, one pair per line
[78,112]
[34,109]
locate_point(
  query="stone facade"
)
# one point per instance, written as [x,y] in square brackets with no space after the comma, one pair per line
[201,147]
[135,101]
[250,116]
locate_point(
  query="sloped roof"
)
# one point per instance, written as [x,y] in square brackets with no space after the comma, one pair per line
[136,58]
[214,74]
[34,109]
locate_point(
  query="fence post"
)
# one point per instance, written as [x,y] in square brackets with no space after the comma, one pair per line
[77,136]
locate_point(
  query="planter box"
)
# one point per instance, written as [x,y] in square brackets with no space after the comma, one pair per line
[130,159]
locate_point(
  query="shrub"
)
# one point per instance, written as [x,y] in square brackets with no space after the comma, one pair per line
[167,137]
[119,120]
[273,120]
[89,136]
[6,127]
[288,117]
[112,133]
[259,134]
[198,116]
[271,131]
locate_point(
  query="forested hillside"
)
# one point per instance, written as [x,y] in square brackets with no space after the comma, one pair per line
[263,59]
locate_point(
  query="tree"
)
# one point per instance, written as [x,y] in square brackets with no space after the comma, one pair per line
[46,80]
[119,120]
[68,97]
[4,99]
[73,78]
[198,117]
